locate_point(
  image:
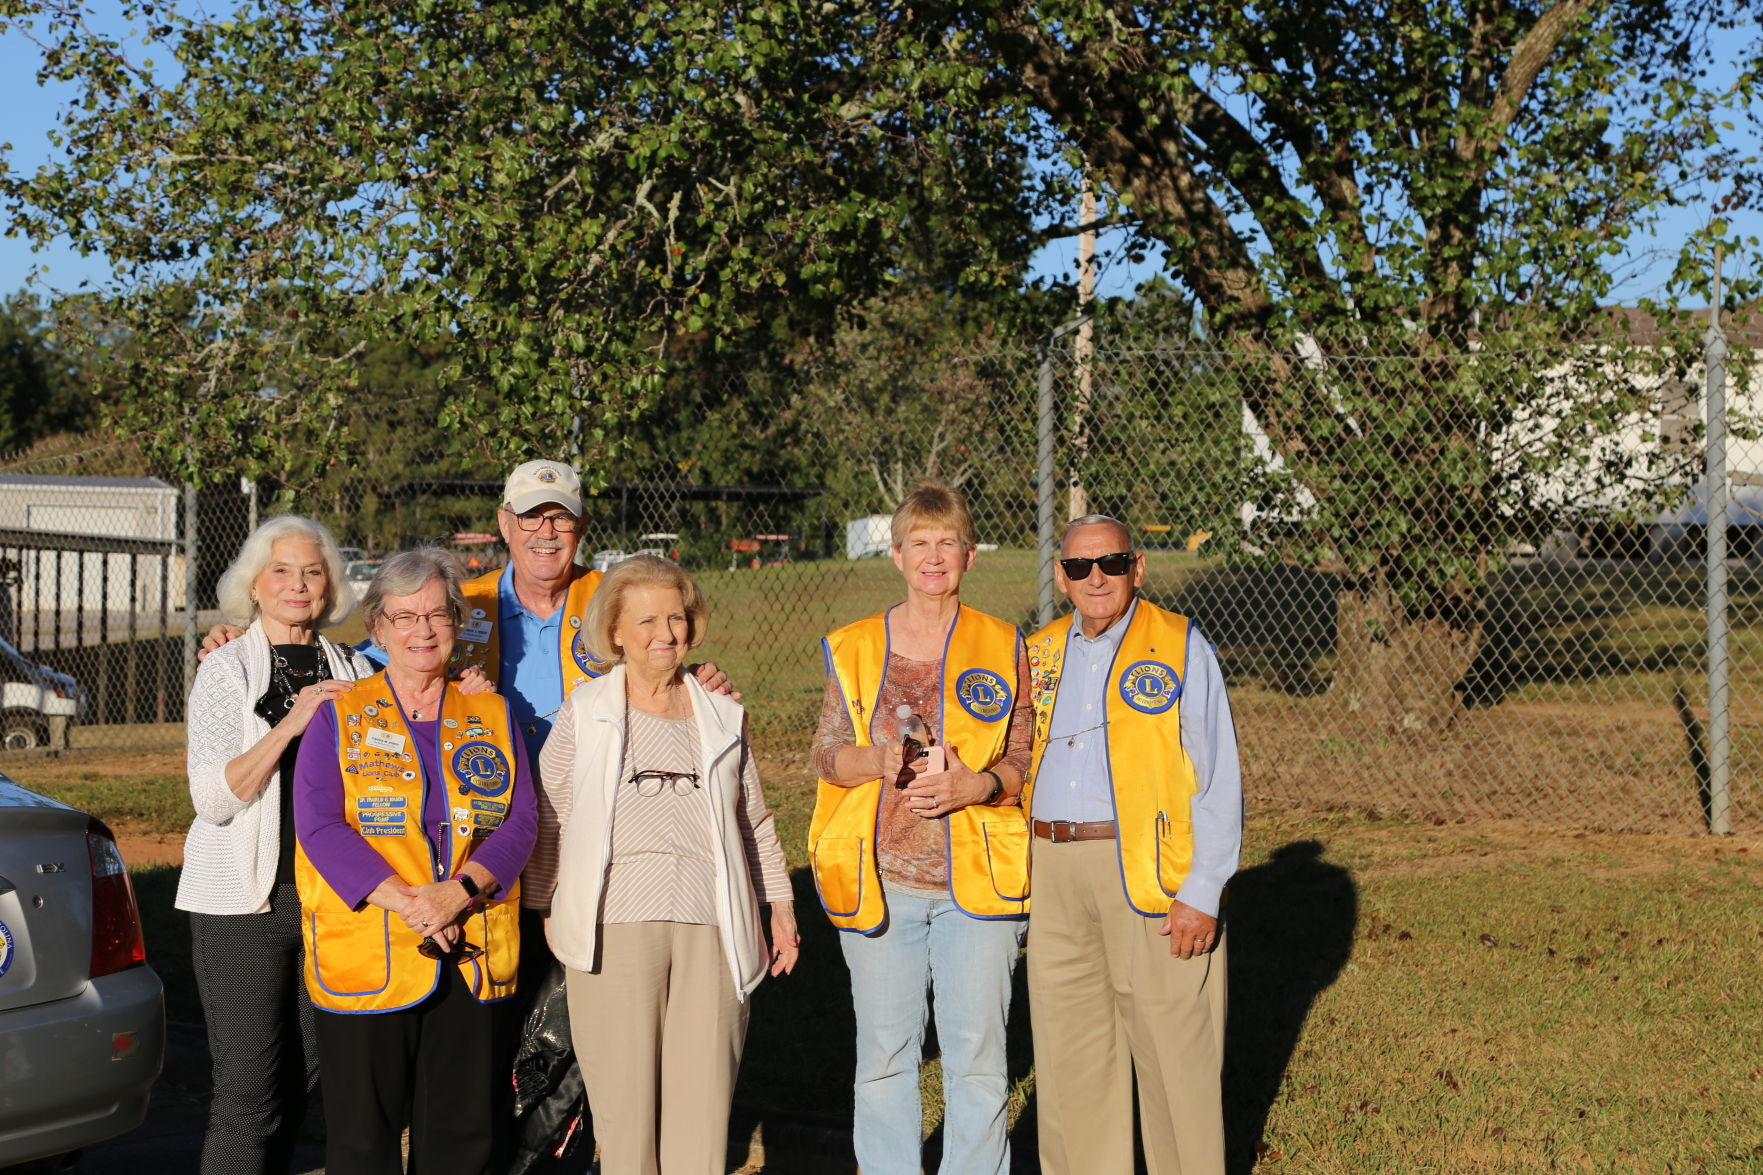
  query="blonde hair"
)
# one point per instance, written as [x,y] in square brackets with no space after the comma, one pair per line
[930,503]
[236,582]
[640,571]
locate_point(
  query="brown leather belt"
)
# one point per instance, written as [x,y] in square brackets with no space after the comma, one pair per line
[1064,830]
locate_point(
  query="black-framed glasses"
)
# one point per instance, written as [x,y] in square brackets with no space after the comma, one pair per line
[650,783]
[562,521]
[1119,563]
[462,952]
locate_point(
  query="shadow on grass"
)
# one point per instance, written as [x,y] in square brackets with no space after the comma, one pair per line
[1291,931]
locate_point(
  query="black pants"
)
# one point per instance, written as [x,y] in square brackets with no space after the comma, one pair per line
[430,1066]
[260,1035]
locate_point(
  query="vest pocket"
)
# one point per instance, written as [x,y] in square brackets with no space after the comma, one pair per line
[838,874]
[1175,852]
[499,927]
[1007,858]
[352,952]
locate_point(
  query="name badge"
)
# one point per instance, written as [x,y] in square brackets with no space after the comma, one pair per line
[385,740]
[476,631]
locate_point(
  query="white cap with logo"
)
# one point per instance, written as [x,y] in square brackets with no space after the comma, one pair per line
[537,482]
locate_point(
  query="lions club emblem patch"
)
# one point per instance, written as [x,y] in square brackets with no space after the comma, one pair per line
[1150,687]
[584,660]
[983,694]
[481,768]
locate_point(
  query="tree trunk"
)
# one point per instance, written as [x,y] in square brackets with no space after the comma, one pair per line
[1400,667]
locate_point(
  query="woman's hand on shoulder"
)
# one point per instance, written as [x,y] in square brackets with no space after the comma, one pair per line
[786,944]
[713,679]
[473,681]
[217,636]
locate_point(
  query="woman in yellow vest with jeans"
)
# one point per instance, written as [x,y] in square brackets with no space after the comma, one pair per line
[415,813]
[926,871]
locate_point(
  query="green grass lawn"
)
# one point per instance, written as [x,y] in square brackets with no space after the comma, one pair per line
[1405,997]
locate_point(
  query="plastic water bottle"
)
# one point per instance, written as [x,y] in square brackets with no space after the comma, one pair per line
[914,737]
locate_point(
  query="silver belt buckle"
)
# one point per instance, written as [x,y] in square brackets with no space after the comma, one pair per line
[1070,833]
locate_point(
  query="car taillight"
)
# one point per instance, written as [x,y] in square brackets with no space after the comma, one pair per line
[116,923]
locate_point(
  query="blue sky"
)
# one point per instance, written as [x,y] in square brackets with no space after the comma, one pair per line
[31,113]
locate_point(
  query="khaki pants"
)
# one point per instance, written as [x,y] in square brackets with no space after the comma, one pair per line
[658,1032]
[1104,991]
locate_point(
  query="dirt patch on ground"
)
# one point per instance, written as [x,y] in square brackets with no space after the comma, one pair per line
[142,850]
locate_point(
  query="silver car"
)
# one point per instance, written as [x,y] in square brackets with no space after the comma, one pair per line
[82,1016]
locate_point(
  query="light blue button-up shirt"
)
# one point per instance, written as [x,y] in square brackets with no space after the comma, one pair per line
[1073,780]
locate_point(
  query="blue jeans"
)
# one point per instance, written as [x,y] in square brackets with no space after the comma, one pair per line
[929,945]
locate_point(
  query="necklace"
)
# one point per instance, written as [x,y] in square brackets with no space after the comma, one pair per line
[286,682]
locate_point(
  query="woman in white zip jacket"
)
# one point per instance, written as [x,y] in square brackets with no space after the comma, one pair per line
[655,831]
[251,702]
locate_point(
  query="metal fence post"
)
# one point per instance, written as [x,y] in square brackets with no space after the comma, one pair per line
[189,587]
[1044,487]
[1046,533]
[1719,717]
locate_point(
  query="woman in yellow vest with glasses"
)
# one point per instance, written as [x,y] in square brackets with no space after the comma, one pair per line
[415,813]
[926,869]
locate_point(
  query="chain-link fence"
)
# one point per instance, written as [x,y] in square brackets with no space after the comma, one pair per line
[1460,581]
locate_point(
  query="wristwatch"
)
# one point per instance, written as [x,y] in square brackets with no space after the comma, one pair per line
[471,888]
[997,787]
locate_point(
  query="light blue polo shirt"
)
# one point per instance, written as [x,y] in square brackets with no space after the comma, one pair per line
[1073,780]
[531,675]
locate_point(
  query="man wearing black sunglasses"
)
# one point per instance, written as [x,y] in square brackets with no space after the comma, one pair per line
[1136,807]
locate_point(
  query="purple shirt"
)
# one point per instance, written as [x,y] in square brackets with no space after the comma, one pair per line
[348,861]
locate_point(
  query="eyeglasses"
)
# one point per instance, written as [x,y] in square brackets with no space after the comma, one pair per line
[405,621]
[562,521]
[649,783]
[1118,563]
[462,952]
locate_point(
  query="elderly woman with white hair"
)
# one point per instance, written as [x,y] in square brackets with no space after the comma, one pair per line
[250,705]
[662,851]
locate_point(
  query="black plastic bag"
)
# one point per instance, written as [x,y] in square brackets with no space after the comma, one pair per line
[550,1102]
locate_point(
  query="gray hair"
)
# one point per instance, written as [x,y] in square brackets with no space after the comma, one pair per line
[407,573]
[236,582]
[1100,520]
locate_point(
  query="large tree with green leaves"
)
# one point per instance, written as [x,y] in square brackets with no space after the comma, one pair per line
[556,192]
[44,387]
[1355,193]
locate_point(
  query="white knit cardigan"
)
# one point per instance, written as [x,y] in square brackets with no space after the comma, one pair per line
[231,853]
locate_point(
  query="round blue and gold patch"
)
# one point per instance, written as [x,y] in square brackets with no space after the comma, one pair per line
[983,694]
[584,660]
[1150,687]
[5,947]
[482,768]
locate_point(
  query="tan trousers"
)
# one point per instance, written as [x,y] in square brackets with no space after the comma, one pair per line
[1103,991]
[658,1032]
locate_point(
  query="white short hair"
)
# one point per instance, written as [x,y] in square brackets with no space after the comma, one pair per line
[236,581]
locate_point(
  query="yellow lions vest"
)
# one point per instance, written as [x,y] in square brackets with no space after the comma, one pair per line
[1153,807]
[480,639]
[987,846]
[366,960]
